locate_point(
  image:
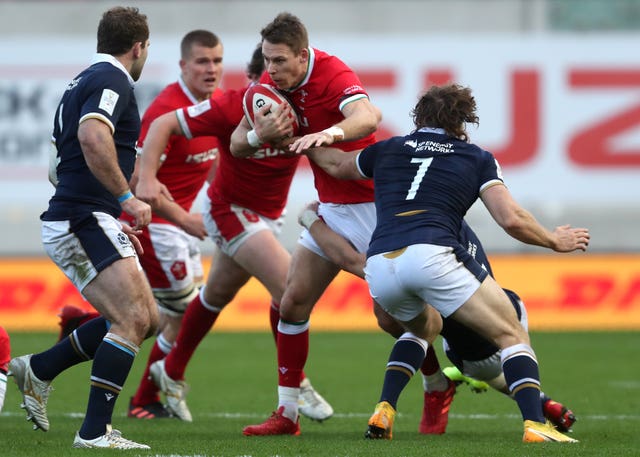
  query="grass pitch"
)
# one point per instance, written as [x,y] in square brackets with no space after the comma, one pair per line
[233,383]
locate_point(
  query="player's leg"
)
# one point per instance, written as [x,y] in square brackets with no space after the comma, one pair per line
[226,277]
[167,262]
[110,277]
[489,313]
[268,261]
[422,324]
[308,277]
[72,317]
[122,294]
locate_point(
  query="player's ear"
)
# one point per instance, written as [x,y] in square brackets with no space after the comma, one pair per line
[137,49]
[304,55]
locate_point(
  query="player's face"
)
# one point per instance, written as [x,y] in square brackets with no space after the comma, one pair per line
[138,64]
[286,68]
[202,70]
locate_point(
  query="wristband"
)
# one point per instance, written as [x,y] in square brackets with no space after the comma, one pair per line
[253,139]
[336,132]
[124,197]
[307,218]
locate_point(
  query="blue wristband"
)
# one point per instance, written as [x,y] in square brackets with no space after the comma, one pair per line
[124,197]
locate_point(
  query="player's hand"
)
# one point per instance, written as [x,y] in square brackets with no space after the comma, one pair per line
[283,146]
[569,239]
[133,237]
[194,225]
[311,140]
[151,191]
[139,210]
[273,124]
[309,214]
[311,206]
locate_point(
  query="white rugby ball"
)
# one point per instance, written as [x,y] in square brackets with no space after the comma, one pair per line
[260,95]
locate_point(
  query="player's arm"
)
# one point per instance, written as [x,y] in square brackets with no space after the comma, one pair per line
[189,222]
[521,225]
[147,185]
[272,125]
[336,162]
[361,118]
[100,153]
[336,247]
[148,188]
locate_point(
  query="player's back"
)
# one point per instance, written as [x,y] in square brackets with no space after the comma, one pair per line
[103,92]
[424,184]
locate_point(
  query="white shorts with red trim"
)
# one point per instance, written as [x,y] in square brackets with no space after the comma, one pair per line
[173,265]
[230,225]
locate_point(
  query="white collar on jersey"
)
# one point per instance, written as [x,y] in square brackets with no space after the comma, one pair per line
[183,85]
[432,130]
[307,75]
[101,57]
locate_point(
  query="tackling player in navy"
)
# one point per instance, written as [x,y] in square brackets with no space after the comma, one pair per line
[424,183]
[95,130]
[475,358]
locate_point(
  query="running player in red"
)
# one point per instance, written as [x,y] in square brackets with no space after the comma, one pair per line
[171,258]
[243,216]
[333,107]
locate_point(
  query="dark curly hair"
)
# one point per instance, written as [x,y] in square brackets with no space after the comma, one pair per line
[449,107]
[120,28]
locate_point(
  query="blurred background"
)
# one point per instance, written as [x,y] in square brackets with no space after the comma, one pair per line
[557,84]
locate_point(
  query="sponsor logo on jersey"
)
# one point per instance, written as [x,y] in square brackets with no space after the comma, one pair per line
[432,146]
[202,157]
[353,90]
[74,83]
[197,110]
[265,153]
[108,101]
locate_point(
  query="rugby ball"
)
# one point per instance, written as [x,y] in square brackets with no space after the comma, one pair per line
[260,95]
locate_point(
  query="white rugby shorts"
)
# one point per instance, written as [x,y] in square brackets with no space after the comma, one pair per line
[86,245]
[354,221]
[402,281]
[173,265]
[230,225]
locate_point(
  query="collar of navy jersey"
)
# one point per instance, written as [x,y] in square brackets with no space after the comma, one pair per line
[432,130]
[101,57]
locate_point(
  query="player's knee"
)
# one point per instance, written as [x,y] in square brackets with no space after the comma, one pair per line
[153,323]
[386,322]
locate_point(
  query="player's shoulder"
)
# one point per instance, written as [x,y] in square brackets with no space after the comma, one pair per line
[325,63]
[104,73]
[168,99]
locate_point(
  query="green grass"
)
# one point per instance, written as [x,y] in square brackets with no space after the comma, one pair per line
[233,383]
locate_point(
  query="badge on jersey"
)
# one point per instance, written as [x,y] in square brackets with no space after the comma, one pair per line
[108,101]
[197,110]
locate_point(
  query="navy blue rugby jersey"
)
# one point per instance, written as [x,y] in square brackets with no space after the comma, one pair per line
[424,184]
[103,91]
